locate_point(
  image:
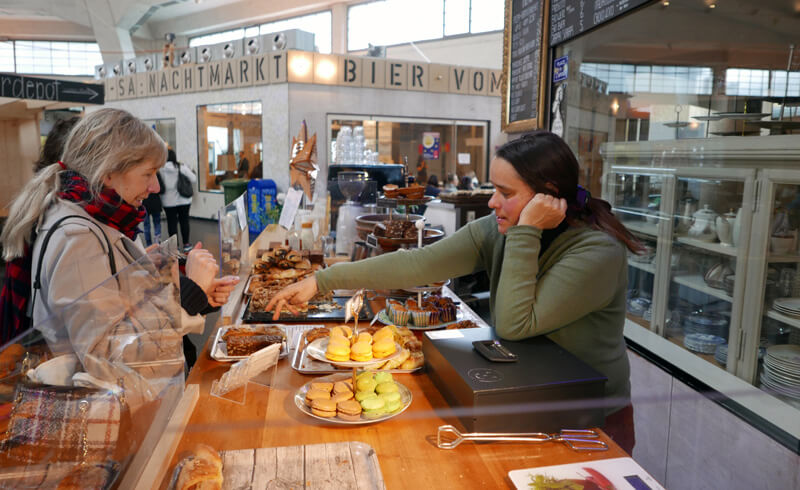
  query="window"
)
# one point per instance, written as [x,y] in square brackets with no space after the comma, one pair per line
[389,22]
[50,57]
[318,24]
[653,79]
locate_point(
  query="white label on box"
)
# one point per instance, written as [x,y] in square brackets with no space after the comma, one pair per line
[290,206]
[463,159]
[445,334]
[240,211]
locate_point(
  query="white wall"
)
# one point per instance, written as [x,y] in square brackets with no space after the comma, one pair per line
[480,51]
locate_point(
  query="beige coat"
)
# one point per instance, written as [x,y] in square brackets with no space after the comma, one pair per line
[128,328]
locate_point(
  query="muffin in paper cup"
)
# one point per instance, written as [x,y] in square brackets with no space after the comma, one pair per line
[435,318]
[398,315]
[421,318]
[447,313]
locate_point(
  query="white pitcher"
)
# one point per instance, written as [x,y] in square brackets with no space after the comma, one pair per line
[725,228]
[737,227]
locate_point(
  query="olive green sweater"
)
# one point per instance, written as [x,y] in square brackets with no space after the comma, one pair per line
[574,293]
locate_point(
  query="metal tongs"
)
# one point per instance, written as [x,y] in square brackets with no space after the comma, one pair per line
[448,437]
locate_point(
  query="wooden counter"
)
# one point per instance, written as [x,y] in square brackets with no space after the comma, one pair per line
[405,445]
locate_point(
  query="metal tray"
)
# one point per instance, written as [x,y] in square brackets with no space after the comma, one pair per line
[305,364]
[219,353]
[337,315]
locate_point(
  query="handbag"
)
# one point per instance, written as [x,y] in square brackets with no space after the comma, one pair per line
[184,186]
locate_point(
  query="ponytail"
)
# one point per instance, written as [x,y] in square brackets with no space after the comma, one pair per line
[27,209]
[597,213]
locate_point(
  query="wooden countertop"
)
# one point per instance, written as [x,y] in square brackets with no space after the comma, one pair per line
[405,445]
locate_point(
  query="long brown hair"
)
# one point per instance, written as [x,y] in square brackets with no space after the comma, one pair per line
[547,165]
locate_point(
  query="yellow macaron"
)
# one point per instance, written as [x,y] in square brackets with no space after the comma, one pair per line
[361,352]
[338,351]
[383,348]
[384,333]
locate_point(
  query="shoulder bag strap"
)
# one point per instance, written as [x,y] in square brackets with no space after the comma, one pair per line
[37,283]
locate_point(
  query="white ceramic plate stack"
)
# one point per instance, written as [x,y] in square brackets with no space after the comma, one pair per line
[781,372]
[721,354]
[702,342]
[787,306]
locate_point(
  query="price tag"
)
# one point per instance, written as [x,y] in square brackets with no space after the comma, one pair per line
[241,372]
[240,211]
[372,241]
[290,206]
[385,202]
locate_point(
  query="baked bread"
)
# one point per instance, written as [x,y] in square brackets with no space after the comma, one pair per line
[203,471]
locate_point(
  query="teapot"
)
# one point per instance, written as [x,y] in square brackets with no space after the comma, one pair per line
[725,224]
[704,227]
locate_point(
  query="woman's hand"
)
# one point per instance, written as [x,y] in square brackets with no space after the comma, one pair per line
[543,211]
[201,268]
[296,294]
[221,290]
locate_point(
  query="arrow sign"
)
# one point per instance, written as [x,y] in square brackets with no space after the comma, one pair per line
[33,88]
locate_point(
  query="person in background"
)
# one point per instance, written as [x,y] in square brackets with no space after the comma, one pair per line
[243,170]
[432,189]
[465,184]
[258,171]
[54,144]
[176,207]
[90,205]
[152,204]
[451,184]
[556,259]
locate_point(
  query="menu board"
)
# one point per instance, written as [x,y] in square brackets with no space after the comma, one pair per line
[525,35]
[569,18]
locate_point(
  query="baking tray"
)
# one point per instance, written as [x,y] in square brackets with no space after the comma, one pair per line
[305,364]
[219,353]
[337,315]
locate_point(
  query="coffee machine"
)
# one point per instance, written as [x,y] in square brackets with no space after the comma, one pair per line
[350,184]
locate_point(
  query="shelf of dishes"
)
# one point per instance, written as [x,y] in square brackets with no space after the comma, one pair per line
[698,283]
[645,266]
[709,246]
[783,259]
[783,318]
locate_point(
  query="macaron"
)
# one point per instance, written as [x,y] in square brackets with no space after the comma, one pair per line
[316,395]
[341,330]
[383,348]
[373,407]
[349,410]
[364,337]
[366,384]
[324,408]
[342,386]
[322,386]
[338,351]
[361,352]
[389,387]
[363,395]
[392,396]
[382,378]
[384,333]
[340,397]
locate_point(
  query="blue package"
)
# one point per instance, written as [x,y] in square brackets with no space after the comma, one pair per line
[261,199]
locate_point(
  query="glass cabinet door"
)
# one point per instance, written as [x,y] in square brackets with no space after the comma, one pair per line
[772,353]
[637,200]
[707,262]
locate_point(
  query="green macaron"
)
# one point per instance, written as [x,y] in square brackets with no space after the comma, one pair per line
[391,396]
[393,406]
[389,387]
[366,384]
[363,395]
[383,377]
[373,407]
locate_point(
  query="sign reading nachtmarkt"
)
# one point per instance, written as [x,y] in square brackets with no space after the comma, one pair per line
[22,87]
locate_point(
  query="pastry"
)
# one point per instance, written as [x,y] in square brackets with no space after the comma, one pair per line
[246,345]
[414,361]
[202,471]
[317,333]
[392,400]
[396,362]
[391,191]
[349,410]
[364,337]
[322,386]
[312,395]
[389,387]
[324,408]
[383,348]
[338,349]
[342,330]
[340,397]
[342,386]
[373,407]
[399,315]
[385,332]
[361,351]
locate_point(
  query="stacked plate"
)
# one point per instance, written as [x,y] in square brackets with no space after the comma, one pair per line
[781,372]
[721,354]
[787,306]
[702,342]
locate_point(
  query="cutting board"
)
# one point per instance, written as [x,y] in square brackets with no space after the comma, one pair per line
[341,465]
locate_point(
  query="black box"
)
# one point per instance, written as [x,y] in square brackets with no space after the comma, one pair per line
[546,390]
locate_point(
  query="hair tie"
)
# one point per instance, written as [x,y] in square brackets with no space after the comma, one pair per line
[61,164]
[582,197]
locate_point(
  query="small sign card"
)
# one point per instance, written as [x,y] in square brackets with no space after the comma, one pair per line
[290,207]
[241,372]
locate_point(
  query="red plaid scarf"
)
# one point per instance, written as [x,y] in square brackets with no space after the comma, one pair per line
[107,208]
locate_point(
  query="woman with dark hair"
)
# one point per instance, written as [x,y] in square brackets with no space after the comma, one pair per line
[176,206]
[556,260]
[465,184]
[54,144]
[432,189]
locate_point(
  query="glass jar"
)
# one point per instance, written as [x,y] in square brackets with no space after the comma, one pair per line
[306,236]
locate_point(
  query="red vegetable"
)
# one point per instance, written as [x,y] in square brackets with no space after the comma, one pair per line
[598,479]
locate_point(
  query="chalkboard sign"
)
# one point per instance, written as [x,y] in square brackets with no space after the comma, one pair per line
[525,56]
[569,18]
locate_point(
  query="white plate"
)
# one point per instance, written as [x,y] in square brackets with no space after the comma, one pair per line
[785,353]
[615,470]
[426,289]
[300,401]
[218,352]
[383,317]
[788,304]
[317,349]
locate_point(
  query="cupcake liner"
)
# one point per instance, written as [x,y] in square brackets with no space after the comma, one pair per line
[421,318]
[398,317]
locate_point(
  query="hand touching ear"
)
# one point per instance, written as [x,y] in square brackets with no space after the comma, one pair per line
[543,211]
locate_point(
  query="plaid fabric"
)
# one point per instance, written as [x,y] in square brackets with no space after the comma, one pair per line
[48,424]
[108,208]
[64,476]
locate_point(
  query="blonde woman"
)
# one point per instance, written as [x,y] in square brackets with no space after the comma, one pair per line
[72,228]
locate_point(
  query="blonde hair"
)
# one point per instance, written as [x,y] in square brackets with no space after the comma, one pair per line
[104,142]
